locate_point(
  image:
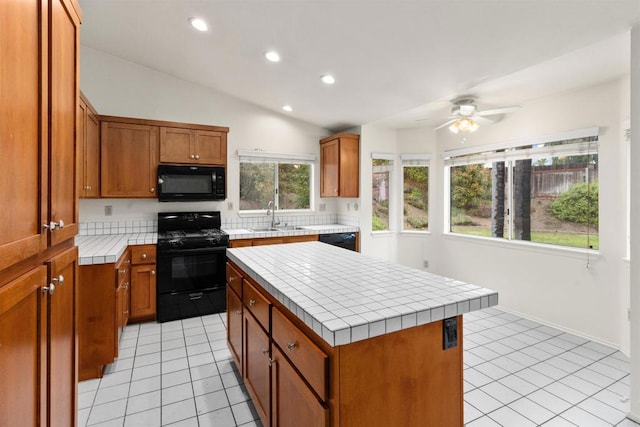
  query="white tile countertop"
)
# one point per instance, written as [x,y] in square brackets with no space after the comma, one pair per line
[345,296]
[246,233]
[107,248]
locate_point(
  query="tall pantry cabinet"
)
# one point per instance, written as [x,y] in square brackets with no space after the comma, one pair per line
[39,42]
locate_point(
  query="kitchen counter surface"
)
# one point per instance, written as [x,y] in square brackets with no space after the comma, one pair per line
[245,233]
[345,296]
[107,248]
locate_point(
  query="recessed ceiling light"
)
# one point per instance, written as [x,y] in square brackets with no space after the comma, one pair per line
[272,56]
[287,108]
[328,79]
[198,23]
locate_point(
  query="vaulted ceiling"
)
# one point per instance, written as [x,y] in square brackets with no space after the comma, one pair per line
[393,60]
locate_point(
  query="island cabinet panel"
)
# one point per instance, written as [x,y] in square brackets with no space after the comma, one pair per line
[257,304]
[191,146]
[292,400]
[418,383]
[257,366]
[23,303]
[309,359]
[234,327]
[129,160]
[234,279]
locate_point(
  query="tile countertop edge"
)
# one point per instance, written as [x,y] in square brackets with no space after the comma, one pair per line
[108,248]
[336,331]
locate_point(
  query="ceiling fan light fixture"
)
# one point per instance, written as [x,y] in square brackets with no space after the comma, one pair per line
[465,124]
[272,56]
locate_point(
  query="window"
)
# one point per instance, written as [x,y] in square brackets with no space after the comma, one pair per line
[382,176]
[415,192]
[285,180]
[543,192]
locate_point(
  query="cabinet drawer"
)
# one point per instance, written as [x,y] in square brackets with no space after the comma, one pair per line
[257,304]
[143,254]
[234,279]
[307,357]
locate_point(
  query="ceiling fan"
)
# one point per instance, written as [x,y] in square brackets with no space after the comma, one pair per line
[465,116]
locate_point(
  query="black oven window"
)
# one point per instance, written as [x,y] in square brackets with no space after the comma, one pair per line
[192,272]
[185,184]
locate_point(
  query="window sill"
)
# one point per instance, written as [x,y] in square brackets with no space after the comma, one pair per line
[415,233]
[384,233]
[526,246]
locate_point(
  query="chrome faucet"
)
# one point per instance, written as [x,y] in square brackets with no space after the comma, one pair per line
[273,214]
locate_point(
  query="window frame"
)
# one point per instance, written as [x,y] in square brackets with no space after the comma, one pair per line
[509,153]
[415,160]
[257,156]
[391,228]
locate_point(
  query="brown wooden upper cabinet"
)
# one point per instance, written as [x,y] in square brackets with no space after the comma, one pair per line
[129,158]
[88,149]
[197,146]
[340,165]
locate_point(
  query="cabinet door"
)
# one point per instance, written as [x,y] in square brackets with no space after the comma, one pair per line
[210,147]
[234,326]
[23,131]
[129,160]
[329,168]
[81,146]
[92,156]
[176,145]
[256,368]
[349,167]
[293,403]
[143,291]
[62,338]
[64,93]
[23,354]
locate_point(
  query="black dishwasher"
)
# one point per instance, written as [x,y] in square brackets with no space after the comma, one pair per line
[342,240]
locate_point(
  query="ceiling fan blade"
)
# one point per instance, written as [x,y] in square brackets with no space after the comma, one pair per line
[445,124]
[483,120]
[495,111]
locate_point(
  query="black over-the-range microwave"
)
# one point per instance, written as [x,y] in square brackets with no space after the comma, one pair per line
[191,183]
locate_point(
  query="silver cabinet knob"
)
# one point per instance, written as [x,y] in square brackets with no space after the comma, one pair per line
[291,346]
[252,302]
[153,272]
[143,256]
[53,225]
[192,156]
[197,156]
[152,190]
[59,280]
[51,288]
[239,313]
[265,351]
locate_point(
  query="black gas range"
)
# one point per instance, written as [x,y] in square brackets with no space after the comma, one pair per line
[191,265]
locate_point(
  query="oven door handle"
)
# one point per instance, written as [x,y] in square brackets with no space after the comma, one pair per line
[204,251]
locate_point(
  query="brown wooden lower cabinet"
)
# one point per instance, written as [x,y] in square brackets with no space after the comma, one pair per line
[143,292]
[256,366]
[234,326]
[403,378]
[258,241]
[38,345]
[292,400]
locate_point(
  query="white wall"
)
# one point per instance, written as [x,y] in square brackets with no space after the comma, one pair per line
[552,285]
[117,87]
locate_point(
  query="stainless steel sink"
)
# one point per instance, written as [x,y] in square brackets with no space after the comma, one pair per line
[263,230]
[289,227]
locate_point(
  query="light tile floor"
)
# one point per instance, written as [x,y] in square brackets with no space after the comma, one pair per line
[517,373]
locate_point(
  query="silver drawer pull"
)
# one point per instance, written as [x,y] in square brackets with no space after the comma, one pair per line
[291,346]
[195,296]
[144,256]
[252,302]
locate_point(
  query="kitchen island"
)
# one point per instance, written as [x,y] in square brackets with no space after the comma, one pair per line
[323,336]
